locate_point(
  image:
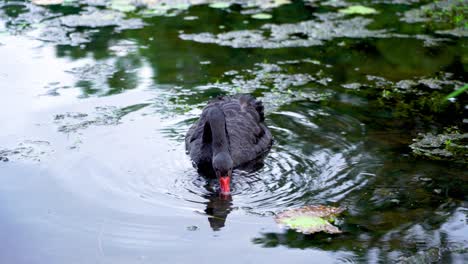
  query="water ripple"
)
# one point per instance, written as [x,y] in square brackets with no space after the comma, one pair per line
[317,158]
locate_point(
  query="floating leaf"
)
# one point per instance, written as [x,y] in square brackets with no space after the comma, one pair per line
[358,10]
[304,221]
[262,16]
[265,4]
[47,2]
[310,219]
[123,5]
[220,5]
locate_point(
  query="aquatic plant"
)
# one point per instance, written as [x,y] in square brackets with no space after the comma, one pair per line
[310,219]
[451,12]
[450,145]
[358,10]
[457,92]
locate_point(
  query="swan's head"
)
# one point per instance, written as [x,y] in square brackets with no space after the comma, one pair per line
[222,165]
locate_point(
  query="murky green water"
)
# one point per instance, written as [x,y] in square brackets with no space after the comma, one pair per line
[95,104]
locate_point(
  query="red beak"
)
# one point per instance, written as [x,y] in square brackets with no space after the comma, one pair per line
[224,183]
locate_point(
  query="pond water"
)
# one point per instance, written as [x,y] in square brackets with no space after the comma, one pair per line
[96,97]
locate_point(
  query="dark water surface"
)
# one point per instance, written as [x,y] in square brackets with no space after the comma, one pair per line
[95,103]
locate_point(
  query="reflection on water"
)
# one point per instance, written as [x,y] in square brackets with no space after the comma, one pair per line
[217,209]
[94,116]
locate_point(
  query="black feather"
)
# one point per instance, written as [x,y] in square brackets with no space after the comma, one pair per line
[248,137]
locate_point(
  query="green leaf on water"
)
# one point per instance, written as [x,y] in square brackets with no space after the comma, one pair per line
[310,219]
[358,10]
[305,221]
[220,5]
[122,5]
[262,16]
[47,2]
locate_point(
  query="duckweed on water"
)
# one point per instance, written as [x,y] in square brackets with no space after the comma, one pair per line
[95,18]
[102,116]
[31,150]
[326,27]
[72,29]
[275,83]
[423,96]
[446,17]
[447,146]
[303,34]
[170,7]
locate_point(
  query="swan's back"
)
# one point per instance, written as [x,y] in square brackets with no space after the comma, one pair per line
[248,136]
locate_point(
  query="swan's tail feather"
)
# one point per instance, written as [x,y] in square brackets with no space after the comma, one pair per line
[254,103]
[260,109]
[246,101]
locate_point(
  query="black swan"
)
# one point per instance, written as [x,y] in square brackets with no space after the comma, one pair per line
[230,133]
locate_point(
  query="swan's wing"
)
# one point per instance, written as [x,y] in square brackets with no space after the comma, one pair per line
[248,136]
[195,145]
[191,133]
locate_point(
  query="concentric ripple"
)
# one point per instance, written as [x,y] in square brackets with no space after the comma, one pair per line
[318,157]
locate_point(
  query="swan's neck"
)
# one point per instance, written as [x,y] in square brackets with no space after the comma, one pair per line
[218,131]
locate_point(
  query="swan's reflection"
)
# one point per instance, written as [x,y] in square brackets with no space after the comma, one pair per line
[217,208]
[219,205]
